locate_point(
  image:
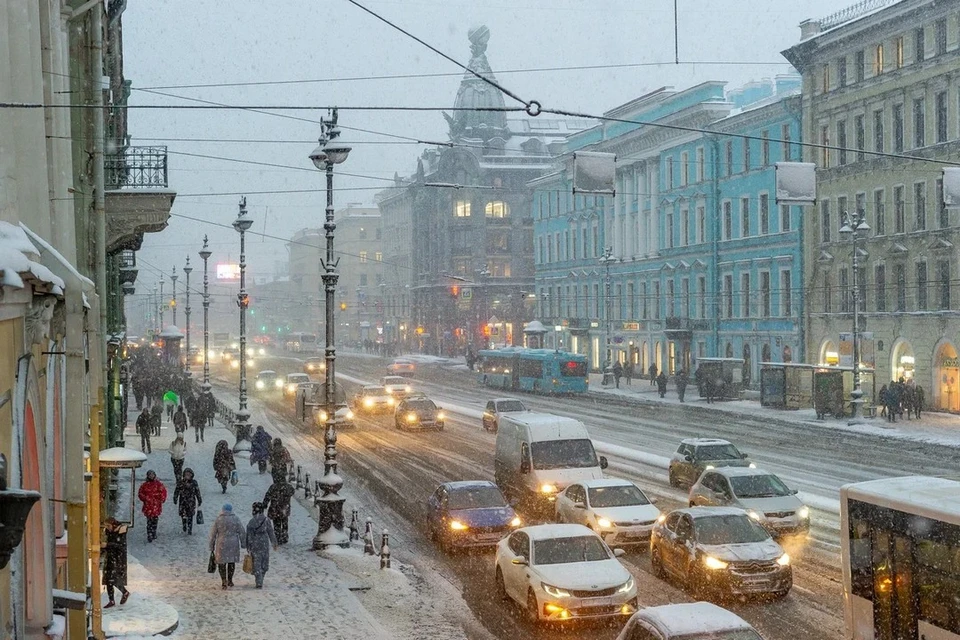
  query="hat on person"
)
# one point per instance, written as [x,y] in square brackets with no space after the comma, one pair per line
[257,507]
[227,508]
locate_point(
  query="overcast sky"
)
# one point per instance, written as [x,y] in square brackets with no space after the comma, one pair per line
[171,43]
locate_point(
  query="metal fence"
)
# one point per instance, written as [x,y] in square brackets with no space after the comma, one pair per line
[137,167]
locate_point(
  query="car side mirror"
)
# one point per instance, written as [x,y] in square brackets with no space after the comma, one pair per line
[521,560]
[688,458]
[653,500]
[743,456]
[579,505]
[603,462]
[618,552]
[794,492]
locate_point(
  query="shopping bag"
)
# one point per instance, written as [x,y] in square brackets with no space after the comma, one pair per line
[234,477]
[199,516]
[248,564]
[211,564]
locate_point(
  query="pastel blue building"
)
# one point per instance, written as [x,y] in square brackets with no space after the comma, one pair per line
[702,262]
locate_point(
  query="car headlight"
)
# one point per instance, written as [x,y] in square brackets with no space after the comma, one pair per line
[368,403]
[261,351]
[278,384]
[440,415]
[309,367]
[753,465]
[199,358]
[349,415]
[661,518]
[234,364]
[323,416]
[211,354]
[548,488]
[626,586]
[250,352]
[411,417]
[754,515]
[291,388]
[556,592]
[391,401]
[709,467]
[235,345]
[456,525]
[712,563]
[783,560]
[516,522]
[603,523]
[260,384]
[250,362]
[407,389]
[804,512]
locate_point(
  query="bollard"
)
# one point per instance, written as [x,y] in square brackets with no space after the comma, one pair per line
[316,487]
[299,480]
[306,486]
[385,551]
[355,526]
[368,539]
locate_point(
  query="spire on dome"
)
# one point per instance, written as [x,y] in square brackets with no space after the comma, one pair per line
[474,93]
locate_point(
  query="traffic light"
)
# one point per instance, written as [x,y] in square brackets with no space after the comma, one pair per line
[486,331]
[419,331]
[455,290]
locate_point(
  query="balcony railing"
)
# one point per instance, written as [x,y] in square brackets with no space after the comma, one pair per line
[137,167]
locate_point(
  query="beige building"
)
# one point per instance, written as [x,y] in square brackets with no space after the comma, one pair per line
[881,114]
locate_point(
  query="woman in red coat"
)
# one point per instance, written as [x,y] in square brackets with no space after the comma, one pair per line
[152,494]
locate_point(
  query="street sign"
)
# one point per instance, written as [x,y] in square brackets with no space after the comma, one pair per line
[466,293]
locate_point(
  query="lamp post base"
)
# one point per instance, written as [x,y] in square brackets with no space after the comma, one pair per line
[857,402]
[330,531]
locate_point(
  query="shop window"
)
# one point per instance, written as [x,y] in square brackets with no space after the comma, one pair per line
[461,209]
[497,209]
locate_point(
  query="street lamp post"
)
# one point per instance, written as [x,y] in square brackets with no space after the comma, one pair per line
[330,532]
[854,224]
[153,315]
[173,298]
[205,255]
[606,260]
[186,270]
[162,304]
[241,225]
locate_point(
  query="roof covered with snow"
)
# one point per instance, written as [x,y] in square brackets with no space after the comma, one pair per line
[937,498]
[19,260]
[550,531]
[121,457]
[692,619]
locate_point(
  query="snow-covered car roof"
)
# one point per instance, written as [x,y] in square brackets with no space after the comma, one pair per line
[267,372]
[467,484]
[703,441]
[395,380]
[731,472]
[605,482]
[691,618]
[373,389]
[707,512]
[550,531]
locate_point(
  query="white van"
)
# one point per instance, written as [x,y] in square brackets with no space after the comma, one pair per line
[539,454]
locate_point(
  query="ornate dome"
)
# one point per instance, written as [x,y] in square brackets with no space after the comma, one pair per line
[474,93]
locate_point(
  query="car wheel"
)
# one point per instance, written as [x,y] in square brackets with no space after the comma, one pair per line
[501,588]
[656,563]
[691,504]
[533,612]
[780,595]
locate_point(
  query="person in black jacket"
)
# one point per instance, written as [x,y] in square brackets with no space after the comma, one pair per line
[156,417]
[276,502]
[115,560]
[223,464]
[145,428]
[187,495]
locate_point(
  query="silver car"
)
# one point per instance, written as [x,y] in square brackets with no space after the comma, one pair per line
[696,455]
[761,494]
[688,621]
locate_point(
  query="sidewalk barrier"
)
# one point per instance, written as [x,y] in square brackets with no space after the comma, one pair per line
[291,477]
[368,539]
[316,492]
[355,526]
[385,551]
[299,484]
[306,485]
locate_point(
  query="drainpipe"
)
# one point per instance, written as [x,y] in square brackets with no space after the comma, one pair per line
[99,208]
[717,225]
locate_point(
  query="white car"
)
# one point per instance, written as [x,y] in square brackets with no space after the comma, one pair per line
[373,399]
[563,572]
[342,417]
[688,621]
[397,386]
[293,382]
[616,509]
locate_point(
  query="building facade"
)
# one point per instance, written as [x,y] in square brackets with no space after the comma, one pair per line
[640,276]
[881,111]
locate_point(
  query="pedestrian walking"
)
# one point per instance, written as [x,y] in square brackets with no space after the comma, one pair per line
[662,384]
[170,402]
[681,382]
[152,494]
[652,370]
[209,409]
[617,373]
[276,503]
[893,402]
[180,421]
[628,373]
[187,496]
[280,460]
[882,397]
[178,451]
[260,449]
[114,548]
[227,537]
[156,417]
[260,537]
[223,464]
[145,428]
[918,398]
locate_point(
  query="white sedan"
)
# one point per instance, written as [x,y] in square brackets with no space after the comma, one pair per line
[616,509]
[563,572]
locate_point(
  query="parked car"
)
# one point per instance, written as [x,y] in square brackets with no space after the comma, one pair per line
[402,367]
[397,386]
[695,455]
[314,365]
[563,572]
[292,382]
[372,399]
[268,380]
[418,412]
[496,408]
[616,509]
[761,494]
[719,550]
[470,513]
[687,621]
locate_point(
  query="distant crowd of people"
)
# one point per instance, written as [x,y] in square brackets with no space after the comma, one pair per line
[899,397]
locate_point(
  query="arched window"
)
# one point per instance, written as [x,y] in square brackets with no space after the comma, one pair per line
[497,209]
[461,208]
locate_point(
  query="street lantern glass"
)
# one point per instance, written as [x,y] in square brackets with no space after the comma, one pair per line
[319,157]
[205,254]
[243,222]
[336,152]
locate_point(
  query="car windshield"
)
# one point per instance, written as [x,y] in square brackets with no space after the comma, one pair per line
[374,391]
[266,376]
[301,377]
[732,634]
[563,454]
[421,405]
[395,380]
[510,405]
[623,496]
[564,550]
[767,486]
[475,498]
[729,529]
[717,452]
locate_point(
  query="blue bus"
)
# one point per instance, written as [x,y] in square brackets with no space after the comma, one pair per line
[535,370]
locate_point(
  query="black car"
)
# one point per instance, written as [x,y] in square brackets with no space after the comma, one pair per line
[418,412]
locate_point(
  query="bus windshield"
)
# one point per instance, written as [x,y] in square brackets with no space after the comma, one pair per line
[563,454]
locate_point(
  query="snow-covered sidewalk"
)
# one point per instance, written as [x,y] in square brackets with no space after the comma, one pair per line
[333,595]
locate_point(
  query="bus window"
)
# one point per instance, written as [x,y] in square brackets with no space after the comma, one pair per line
[573,369]
[937,583]
[882,586]
[531,368]
[861,566]
[903,587]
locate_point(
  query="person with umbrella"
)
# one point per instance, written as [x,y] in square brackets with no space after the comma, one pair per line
[170,401]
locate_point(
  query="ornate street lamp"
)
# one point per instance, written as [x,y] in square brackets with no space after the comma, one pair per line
[854,224]
[330,532]
[205,255]
[173,298]
[242,224]
[163,305]
[186,270]
[606,260]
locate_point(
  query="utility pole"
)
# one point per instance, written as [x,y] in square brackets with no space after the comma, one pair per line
[606,259]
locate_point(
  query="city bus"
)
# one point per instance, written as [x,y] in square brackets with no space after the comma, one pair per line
[900,553]
[535,370]
[300,342]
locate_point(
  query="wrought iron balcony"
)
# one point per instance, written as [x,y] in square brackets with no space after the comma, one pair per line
[137,167]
